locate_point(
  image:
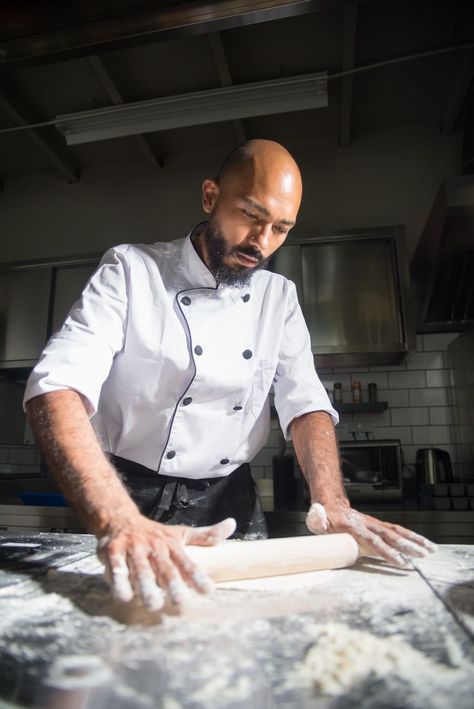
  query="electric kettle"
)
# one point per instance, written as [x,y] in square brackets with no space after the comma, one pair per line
[433,465]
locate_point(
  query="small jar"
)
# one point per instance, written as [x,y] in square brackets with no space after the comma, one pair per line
[372,392]
[337,393]
[356,392]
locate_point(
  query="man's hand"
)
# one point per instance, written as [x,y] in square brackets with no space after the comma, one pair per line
[316,448]
[389,541]
[147,559]
[140,556]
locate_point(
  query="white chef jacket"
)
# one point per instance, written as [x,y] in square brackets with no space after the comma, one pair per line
[176,370]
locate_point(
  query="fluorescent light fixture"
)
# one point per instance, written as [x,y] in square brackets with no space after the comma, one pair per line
[262,98]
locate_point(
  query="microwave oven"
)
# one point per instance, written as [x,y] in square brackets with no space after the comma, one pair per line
[372,470]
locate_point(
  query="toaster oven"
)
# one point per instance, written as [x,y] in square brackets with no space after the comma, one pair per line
[372,470]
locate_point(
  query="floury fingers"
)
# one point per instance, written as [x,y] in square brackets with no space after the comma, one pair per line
[317,519]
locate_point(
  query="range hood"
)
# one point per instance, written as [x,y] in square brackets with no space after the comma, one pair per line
[352,287]
[442,267]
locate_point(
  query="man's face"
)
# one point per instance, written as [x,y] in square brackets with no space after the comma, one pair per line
[231,265]
[249,219]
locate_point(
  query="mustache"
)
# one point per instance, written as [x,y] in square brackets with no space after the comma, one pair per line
[249,251]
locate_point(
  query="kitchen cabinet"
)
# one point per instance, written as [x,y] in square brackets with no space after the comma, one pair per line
[24,307]
[34,300]
[352,290]
[69,282]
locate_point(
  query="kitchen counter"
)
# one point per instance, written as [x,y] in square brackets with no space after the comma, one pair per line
[36,518]
[65,643]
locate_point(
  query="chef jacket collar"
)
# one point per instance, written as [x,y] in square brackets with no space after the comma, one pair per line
[193,267]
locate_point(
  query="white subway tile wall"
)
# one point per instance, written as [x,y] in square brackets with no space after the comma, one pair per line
[417,416]
[425,360]
[394,397]
[428,397]
[438,342]
[418,395]
[21,459]
[441,415]
[407,380]
[438,378]
[431,435]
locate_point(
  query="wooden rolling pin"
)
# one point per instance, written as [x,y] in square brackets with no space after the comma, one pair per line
[233,560]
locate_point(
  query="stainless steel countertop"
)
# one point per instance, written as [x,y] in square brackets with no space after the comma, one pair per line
[64,642]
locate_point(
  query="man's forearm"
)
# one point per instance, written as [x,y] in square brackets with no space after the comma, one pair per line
[68,442]
[315,445]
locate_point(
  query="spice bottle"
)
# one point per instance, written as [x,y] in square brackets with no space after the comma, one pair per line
[337,393]
[356,392]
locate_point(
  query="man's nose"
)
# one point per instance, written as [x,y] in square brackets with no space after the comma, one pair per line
[261,236]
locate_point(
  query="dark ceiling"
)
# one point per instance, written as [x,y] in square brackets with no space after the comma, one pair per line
[58,57]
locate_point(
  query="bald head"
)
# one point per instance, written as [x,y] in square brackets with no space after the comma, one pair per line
[251,205]
[264,163]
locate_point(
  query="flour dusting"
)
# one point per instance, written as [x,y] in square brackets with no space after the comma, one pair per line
[370,636]
[344,657]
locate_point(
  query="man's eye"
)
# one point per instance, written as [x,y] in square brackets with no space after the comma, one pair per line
[282,229]
[249,214]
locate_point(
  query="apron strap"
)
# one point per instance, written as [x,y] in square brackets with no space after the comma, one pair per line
[171,489]
[196,502]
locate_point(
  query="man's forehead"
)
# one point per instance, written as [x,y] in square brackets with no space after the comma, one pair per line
[271,208]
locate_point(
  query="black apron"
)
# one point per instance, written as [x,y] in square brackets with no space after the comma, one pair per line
[196,503]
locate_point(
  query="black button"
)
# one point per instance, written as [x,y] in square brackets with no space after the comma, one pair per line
[237,407]
[187,401]
[246,297]
[247,354]
[170,454]
[198,350]
[224,461]
[186,300]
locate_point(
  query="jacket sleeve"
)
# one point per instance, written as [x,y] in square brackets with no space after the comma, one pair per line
[298,389]
[80,354]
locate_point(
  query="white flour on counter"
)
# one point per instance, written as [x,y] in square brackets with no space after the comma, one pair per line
[241,647]
[344,657]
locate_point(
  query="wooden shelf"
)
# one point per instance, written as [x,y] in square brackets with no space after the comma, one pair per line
[364,407]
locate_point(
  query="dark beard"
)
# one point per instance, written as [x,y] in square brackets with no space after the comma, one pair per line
[218,251]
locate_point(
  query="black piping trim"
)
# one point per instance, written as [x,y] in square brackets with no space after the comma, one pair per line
[186,290]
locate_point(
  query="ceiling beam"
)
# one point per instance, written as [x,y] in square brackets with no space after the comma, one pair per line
[112,92]
[58,159]
[222,66]
[462,81]
[78,37]
[348,62]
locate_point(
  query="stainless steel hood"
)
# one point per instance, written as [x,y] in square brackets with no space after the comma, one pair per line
[442,267]
[352,289]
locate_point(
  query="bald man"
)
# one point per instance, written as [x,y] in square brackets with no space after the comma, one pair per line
[152,399]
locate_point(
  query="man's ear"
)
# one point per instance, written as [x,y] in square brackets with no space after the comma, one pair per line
[210,194]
